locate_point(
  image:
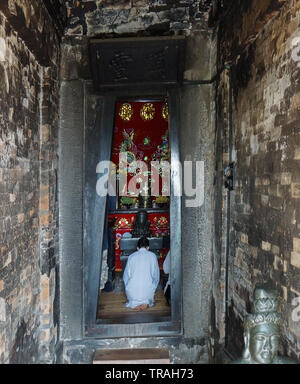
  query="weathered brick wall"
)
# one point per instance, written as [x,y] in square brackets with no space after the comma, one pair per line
[261,43]
[29,45]
[97,17]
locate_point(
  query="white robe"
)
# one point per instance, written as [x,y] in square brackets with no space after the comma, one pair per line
[141,278]
[167,269]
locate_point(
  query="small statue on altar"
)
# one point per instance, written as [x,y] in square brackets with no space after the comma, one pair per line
[141,225]
[262,330]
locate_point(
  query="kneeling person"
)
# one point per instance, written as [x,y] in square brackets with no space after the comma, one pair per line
[141,277]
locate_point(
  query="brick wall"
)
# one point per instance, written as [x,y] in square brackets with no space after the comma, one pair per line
[28,210]
[259,40]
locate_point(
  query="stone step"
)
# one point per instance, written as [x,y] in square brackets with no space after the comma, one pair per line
[132,356]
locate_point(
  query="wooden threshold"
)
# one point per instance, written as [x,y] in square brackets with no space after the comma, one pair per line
[132,356]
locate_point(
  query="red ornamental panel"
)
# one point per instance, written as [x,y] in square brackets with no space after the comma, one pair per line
[141,130]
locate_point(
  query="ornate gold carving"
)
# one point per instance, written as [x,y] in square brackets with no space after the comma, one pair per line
[122,223]
[126,112]
[148,112]
[165,112]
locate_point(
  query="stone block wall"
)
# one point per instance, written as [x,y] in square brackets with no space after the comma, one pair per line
[197,138]
[260,41]
[29,63]
[97,17]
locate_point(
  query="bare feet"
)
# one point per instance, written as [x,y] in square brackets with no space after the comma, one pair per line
[144,307]
[141,308]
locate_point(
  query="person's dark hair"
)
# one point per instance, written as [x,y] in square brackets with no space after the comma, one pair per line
[143,242]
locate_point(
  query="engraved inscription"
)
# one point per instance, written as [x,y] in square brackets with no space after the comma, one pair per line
[119,65]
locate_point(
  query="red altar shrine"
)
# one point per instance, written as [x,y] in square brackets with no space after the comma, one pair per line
[141,130]
[123,223]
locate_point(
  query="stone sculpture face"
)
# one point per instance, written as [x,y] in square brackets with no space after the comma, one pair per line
[264,343]
[262,330]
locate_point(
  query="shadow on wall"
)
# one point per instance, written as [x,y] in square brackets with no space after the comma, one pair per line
[25,347]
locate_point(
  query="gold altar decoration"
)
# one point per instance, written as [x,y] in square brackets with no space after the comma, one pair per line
[148,112]
[126,112]
[122,223]
[165,112]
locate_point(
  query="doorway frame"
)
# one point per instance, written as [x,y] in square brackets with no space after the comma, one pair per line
[93,249]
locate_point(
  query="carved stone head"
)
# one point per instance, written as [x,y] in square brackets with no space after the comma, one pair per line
[262,328]
[262,343]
